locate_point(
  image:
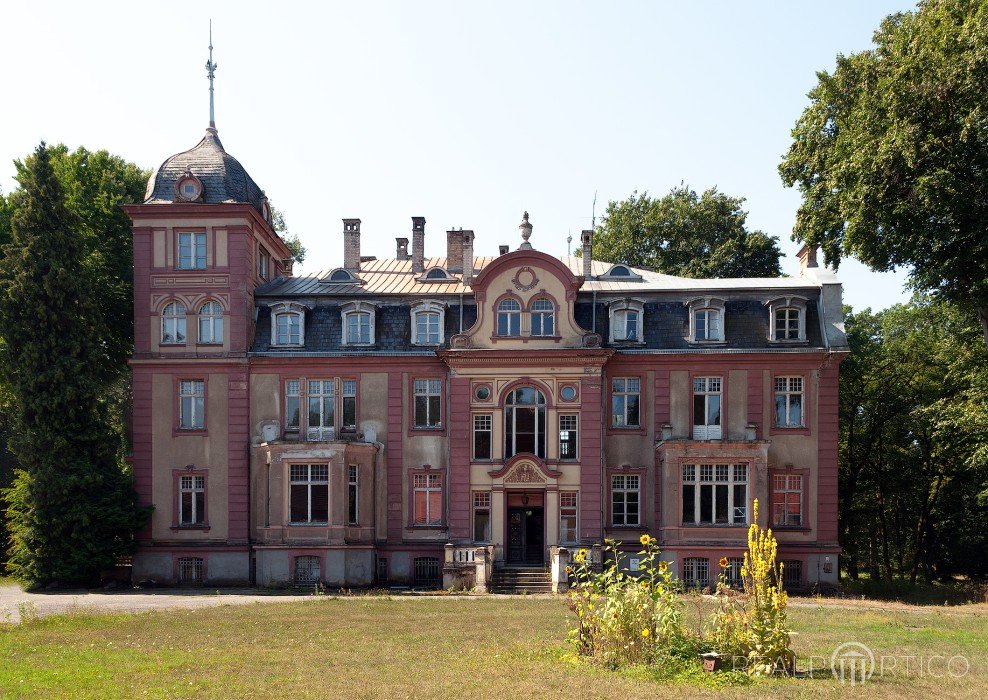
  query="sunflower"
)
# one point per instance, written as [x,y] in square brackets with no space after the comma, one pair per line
[645,540]
[724,563]
[663,566]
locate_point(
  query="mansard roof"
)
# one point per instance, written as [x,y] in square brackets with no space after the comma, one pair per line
[224,179]
[395,277]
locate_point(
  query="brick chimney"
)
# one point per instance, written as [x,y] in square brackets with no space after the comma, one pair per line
[807,257]
[454,251]
[402,251]
[418,243]
[586,241]
[351,245]
[467,256]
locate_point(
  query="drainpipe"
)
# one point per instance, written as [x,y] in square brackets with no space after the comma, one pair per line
[461,312]
[593,319]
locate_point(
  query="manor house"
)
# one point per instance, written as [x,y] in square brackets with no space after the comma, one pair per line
[443,420]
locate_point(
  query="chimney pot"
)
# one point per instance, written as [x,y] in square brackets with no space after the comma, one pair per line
[807,257]
[351,245]
[418,244]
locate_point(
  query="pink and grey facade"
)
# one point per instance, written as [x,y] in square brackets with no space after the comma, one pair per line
[416,418]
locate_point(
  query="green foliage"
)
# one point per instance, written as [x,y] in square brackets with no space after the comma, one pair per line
[71,510]
[914,444]
[686,234]
[291,240]
[890,156]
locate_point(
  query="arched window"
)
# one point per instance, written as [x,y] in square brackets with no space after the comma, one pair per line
[509,317]
[436,273]
[211,323]
[341,275]
[524,422]
[543,318]
[173,324]
[288,328]
[620,271]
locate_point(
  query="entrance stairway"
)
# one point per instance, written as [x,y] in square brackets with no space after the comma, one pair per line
[521,580]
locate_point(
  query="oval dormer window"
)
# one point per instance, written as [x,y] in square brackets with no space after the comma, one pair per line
[436,273]
[189,188]
[620,271]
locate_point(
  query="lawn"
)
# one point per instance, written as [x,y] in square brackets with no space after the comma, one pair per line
[444,647]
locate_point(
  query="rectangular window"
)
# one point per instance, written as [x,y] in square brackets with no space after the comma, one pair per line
[696,572]
[567,517]
[787,500]
[715,494]
[263,260]
[787,324]
[309,495]
[322,409]
[427,327]
[190,571]
[482,436]
[789,402]
[481,516]
[567,437]
[293,405]
[428,398]
[358,328]
[288,329]
[625,402]
[707,324]
[353,495]
[307,571]
[732,574]
[192,404]
[624,500]
[349,405]
[706,408]
[192,500]
[626,325]
[191,251]
[792,572]
[428,504]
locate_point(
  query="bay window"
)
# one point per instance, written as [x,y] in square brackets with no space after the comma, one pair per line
[309,493]
[715,494]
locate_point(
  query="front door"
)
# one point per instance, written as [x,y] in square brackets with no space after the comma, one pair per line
[526,540]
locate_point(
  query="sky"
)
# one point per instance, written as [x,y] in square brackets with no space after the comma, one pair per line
[466,113]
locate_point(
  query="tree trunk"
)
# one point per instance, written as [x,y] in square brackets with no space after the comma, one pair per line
[983,317]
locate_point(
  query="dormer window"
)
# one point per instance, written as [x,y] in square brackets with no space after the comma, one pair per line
[626,321]
[341,276]
[287,325]
[509,317]
[427,323]
[622,273]
[787,320]
[706,320]
[188,188]
[173,324]
[436,273]
[358,323]
[543,313]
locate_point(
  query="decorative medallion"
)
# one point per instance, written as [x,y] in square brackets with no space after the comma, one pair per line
[460,341]
[525,473]
[525,279]
[188,188]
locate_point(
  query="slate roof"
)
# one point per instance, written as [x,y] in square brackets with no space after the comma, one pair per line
[223,178]
[395,277]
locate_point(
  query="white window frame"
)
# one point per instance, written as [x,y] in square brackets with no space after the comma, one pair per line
[482,423]
[624,390]
[704,388]
[357,310]
[569,506]
[572,421]
[320,389]
[707,477]
[293,395]
[625,486]
[210,323]
[289,308]
[310,480]
[263,262]
[195,243]
[174,319]
[427,388]
[192,404]
[787,484]
[513,316]
[787,303]
[348,396]
[192,484]
[618,311]
[428,484]
[705,309]
[481,504]
[543,308]
[786,387]
[428,308]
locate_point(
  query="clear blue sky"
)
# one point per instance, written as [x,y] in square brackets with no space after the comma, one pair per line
[466,113]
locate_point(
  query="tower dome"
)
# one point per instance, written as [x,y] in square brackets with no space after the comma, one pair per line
[214,176]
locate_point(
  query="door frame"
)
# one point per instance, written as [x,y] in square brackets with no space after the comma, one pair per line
[523,492]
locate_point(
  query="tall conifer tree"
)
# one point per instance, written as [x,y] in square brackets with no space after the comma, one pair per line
[72,510]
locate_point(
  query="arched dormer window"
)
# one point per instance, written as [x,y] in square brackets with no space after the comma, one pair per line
[428,318]
[211,323]
[341,276]
[626,321]
[524,422]
[509,317]
[787,319]
[358,323]
[543,314]
[287,325]
[622,273]
[706,323]
[436,273]
[173,324]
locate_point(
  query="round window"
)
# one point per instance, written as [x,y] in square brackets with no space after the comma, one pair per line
[482,393]
[568,392]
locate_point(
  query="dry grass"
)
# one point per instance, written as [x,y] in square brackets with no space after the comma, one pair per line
[428,648]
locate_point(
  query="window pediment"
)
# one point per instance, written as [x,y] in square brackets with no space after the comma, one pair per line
[287,324]
[359,318]
[787,319]
[627,321]
[706,320]
[428,322]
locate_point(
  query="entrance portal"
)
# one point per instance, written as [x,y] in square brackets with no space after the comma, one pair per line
[526,536]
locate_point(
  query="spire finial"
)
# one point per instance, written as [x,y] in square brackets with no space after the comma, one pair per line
[211,72]
[526,232]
